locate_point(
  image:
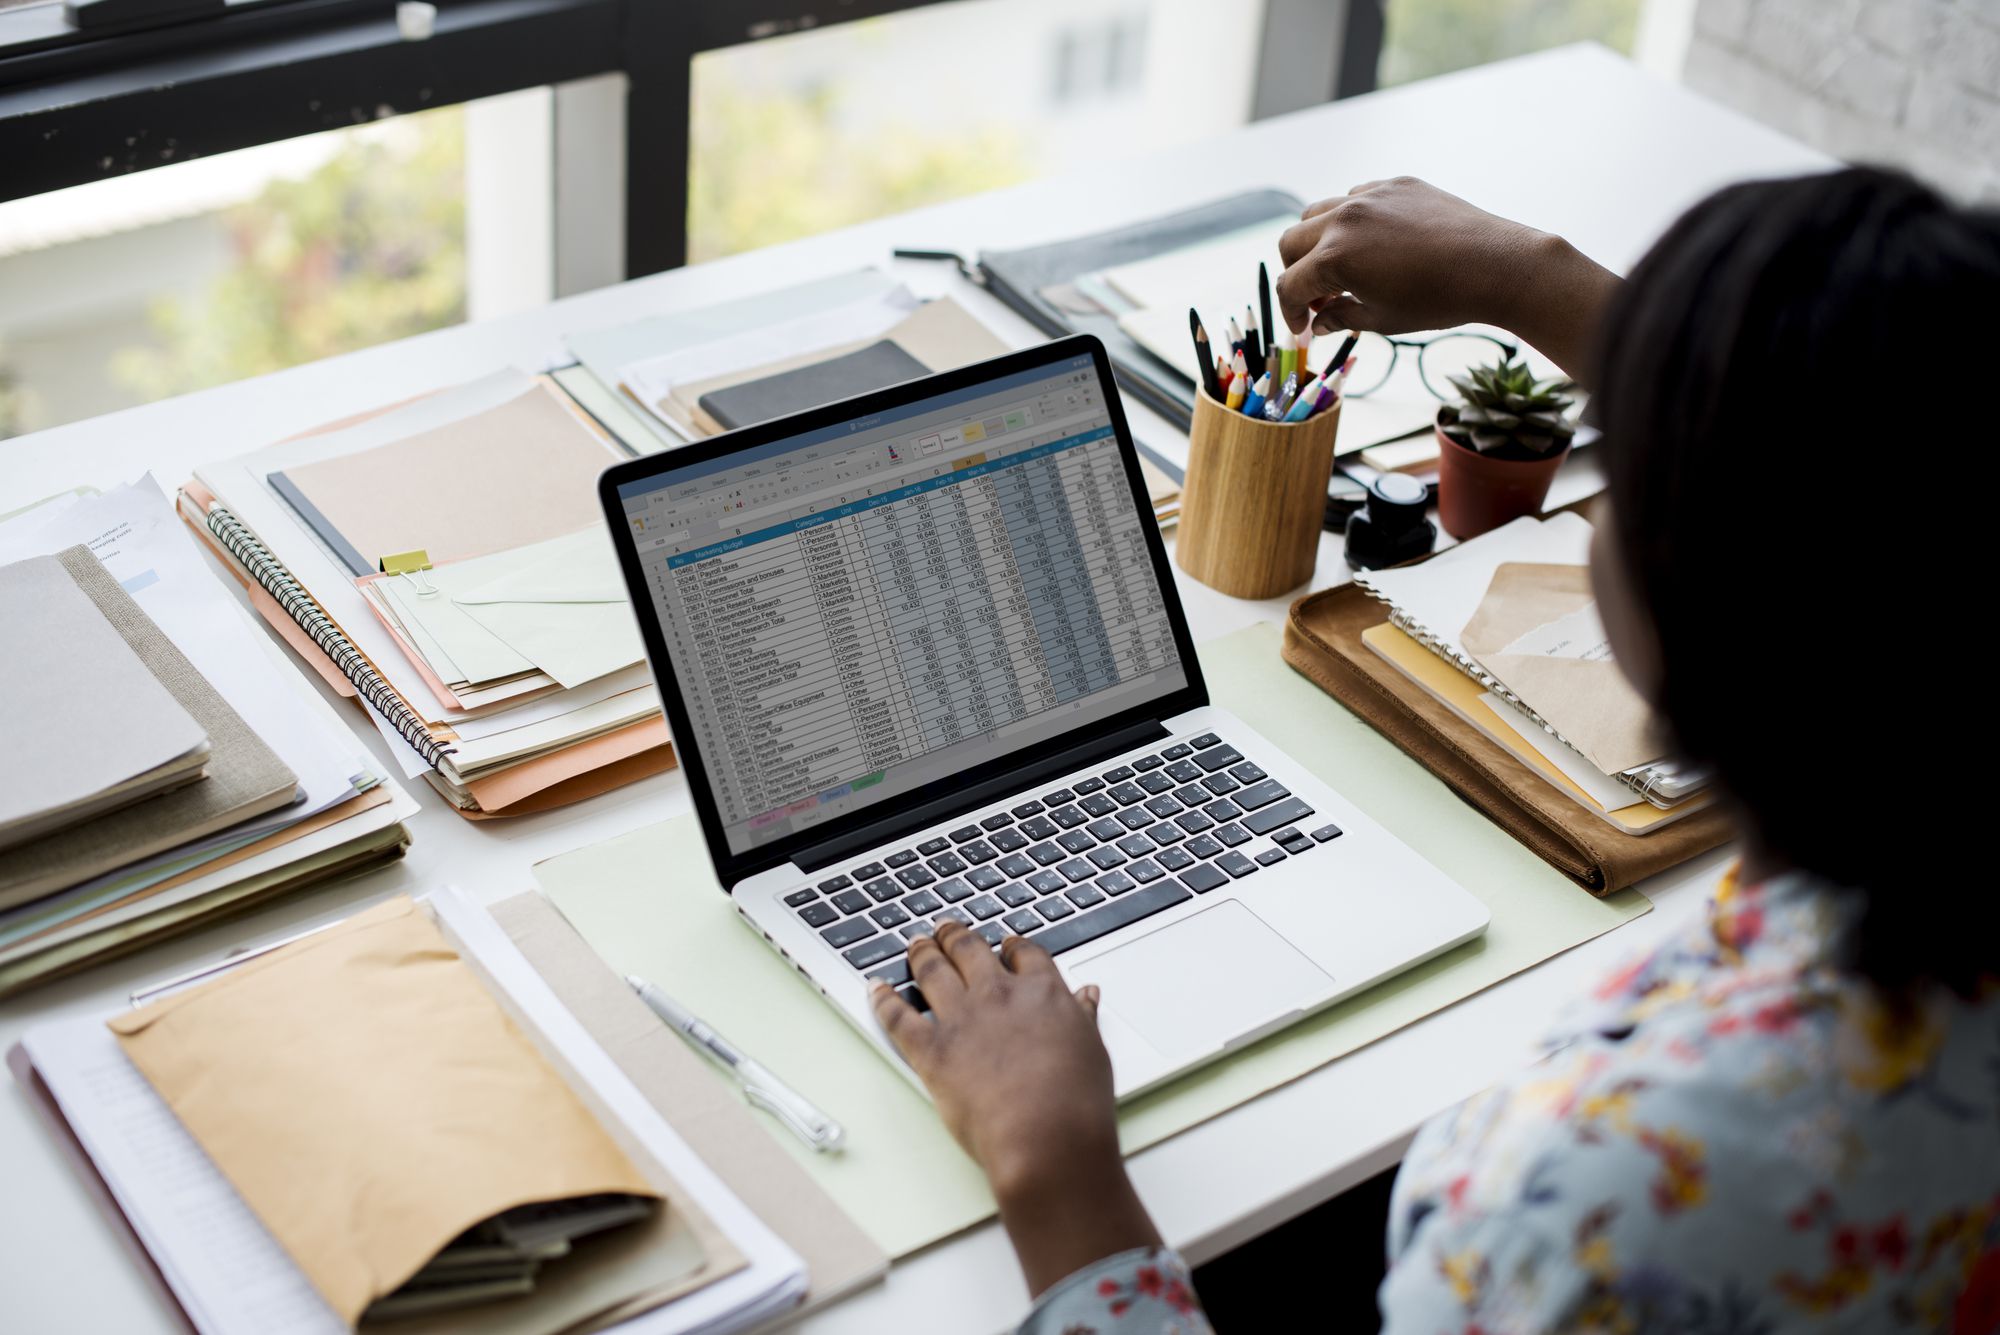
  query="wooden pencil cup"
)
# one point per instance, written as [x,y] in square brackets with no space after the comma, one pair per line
[1254,499]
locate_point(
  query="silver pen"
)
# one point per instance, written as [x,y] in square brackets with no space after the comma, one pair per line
[762,1088]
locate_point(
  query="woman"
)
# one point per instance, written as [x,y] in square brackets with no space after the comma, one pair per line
[1788,1120]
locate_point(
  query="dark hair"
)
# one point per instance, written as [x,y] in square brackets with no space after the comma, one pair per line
[1786,386]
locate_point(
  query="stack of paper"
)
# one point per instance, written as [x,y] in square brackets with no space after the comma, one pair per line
[279,795]
[288,1170]
[1504,630]
[456,542]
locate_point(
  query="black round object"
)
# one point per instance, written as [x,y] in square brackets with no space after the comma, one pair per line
[1393,528]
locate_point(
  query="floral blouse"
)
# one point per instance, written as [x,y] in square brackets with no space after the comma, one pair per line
[1730,1138]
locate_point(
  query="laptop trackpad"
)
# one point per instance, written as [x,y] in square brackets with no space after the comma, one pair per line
[1193,987]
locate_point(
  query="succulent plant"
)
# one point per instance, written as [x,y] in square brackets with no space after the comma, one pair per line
[1505,413]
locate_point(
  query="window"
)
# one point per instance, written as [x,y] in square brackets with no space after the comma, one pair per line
[1425,37]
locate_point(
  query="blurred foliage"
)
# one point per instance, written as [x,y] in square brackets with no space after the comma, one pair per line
[1426,37]
[368,248]
[770,168]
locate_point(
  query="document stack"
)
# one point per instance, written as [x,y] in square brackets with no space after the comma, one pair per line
[445,564]
[167,765]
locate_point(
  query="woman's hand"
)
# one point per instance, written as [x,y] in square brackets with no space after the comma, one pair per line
[1012,1058]
[1397,255]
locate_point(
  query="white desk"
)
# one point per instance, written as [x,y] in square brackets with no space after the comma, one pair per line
[1616,155]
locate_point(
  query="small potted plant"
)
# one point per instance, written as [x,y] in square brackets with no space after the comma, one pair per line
[1499,446]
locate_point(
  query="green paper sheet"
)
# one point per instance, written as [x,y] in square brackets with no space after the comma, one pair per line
[649,904]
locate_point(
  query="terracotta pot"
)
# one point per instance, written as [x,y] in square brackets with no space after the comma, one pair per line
[1477,493]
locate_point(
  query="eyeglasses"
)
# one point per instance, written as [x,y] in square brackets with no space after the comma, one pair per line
[1439,357]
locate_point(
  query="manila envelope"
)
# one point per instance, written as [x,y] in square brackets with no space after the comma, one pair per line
[370,1101]
[1587,699]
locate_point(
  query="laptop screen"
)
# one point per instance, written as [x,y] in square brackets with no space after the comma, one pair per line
[862,610]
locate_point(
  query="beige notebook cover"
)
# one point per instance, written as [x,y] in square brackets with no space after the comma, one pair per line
[245,777]
[689,1093]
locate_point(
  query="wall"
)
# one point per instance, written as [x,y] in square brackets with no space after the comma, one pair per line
[1915,83]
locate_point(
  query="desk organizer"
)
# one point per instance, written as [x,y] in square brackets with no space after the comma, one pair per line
[1253,500]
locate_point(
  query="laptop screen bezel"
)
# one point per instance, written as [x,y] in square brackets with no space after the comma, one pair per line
[733,867]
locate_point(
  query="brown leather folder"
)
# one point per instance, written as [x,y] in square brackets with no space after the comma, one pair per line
[1323,643]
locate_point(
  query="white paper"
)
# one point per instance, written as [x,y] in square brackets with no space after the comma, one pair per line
[1599,787]
[1577,635]
[560,604]
[1441,594]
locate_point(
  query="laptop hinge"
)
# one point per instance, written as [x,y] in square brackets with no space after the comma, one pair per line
[964,799]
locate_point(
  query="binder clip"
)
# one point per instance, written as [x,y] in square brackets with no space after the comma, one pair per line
[411,566]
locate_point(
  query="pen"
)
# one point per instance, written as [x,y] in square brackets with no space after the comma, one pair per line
[1201,356]
[762,1088]
[1274,411]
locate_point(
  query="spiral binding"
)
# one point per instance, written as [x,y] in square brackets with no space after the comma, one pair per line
[300,606]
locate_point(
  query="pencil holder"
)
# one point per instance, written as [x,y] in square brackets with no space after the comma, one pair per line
[1254,499]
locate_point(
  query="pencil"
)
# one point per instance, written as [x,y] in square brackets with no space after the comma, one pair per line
[1253,341]
[1346,346]
[1264,305]
[1253,403]
[1202,358]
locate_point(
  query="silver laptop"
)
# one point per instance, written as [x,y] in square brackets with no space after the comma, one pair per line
[923,659]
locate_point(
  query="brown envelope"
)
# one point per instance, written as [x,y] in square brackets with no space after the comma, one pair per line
[370,1100]
[1588,701]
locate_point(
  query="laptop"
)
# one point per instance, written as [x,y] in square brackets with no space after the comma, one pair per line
[923,659]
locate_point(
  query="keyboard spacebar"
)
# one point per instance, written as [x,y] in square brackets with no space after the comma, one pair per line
[1086,927]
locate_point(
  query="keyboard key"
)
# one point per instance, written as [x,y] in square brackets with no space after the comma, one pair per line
[1163,806]
[1047,854]
[1285,850]
[1078,841]
[953,890]
[1220,757]
[1236,864]
[1016,864]
[1106,857]
[1055,908]
[1203,846]
[1177,751]
[1204,741]
[1184,771]
[965,834]
[1201,878]
[996,821]
[914,878]
[895,974]
[946,864]
[1166,832]
[1246,773]
[1191,795]
[1016,893]
[1144,763]
[985,878]
[1098,804]
[1326,832]
[1157,782]
[1119,775]
[1048,881]
[1077,870]
[1194,822]
[867,871]
[850,901]
[837,883]
[1143,871]
[1114,883]
[1135,845]
[1261,795]
[1286,835]
[1023,920]
[1084,896]
[952,914]
[887,916]
[978,851]
[922,904]
[1085,786]
[902,859]
[937,845]
[1040,827]
[1121,912]
[883,889]
[1009,839]
[819,915]
[848,932]
[1058,797]
[1027,809]
[798,897]
[921,927]
[992,933]
[1173,859]
[983,907]
[915,996]
[871,953]
[1135,818]
[1222,809]
[1125,794]
[1069,817]
[1271,817]
[1220,784]
[1232,834]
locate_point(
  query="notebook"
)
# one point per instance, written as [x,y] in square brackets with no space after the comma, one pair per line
[245,777]
[877,366]
[90,728]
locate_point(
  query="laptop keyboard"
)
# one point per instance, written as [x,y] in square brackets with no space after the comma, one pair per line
[1073,865]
